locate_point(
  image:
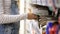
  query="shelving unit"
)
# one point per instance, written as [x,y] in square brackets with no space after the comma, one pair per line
[42,2]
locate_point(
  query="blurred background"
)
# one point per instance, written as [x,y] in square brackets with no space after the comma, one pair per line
[47,12]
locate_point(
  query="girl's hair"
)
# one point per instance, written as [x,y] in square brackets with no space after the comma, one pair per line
[55,23]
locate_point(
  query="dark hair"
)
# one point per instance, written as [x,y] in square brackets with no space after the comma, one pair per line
[55,23]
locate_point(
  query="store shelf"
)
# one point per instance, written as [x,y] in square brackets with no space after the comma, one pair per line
[39,5]
[42,2]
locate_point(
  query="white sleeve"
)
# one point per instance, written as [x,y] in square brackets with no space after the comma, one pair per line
[23,16]
[11,18]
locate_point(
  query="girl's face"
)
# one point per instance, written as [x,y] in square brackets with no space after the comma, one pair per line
[59,19]
[59,32]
